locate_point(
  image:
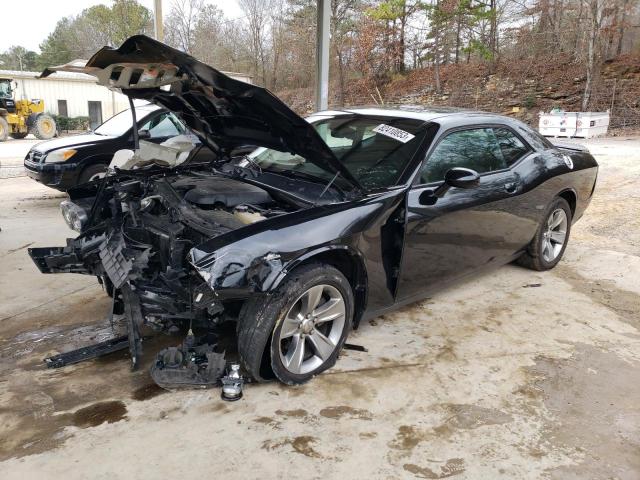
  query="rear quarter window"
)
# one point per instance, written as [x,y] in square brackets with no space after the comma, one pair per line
[536,140]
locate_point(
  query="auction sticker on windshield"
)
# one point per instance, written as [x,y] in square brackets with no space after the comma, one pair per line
[394,133]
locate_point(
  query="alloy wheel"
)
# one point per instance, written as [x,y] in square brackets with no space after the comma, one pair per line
[555,235]
[311,329]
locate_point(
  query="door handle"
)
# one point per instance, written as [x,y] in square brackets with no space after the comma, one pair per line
[511,187]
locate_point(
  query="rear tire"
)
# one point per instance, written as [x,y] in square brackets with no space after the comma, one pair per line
[92,172]
[19,135]
[276,335]
[548,246]
[4,129]
[44,127]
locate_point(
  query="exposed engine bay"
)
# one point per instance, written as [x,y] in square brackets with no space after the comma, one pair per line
[136,234]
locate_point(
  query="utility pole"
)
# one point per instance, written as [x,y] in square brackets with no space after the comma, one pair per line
[322,55]
[157,20]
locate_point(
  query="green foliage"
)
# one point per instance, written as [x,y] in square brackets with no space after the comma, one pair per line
[480,48]
[71,123]
[18,58]
[530,101]
[95,27]
[388,10]
[56,48]
[128,17]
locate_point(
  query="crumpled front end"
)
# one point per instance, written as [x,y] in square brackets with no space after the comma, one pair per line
[137,237]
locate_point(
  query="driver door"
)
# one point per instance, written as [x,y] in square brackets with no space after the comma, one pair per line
[465,229]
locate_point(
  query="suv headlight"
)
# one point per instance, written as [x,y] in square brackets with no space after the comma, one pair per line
[74,215]
[58,156]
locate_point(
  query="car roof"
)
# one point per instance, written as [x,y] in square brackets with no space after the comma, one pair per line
[446,118]
[448,115]
[147,108]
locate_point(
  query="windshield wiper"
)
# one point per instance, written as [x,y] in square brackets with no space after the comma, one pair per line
[306,176]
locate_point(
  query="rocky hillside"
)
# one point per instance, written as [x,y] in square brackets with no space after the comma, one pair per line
[521,89]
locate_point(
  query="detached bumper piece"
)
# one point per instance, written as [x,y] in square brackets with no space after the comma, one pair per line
[69,259]
[88,353]
[188,367]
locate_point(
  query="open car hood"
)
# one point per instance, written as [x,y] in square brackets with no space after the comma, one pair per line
[225,113]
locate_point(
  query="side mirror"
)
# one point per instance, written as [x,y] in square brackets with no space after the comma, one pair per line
[461,178]
[457,177]
[144,134]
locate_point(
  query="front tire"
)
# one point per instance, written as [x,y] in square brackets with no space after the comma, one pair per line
[548,246]
[4,129]
[44,127]
[298,331]
[93,172]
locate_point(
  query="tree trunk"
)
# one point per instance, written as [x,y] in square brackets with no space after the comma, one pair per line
[578,32]
[493,30]
[458,27]
[594,27]
[559,23]
[621,27]
[436,59]
[401,46]
[611,34]
[340,78]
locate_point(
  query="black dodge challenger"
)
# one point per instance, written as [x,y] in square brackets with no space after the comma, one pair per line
[334,219]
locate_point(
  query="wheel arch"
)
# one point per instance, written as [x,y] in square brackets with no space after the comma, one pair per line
[571,197]
[344,258]
[31,119]
[92,160]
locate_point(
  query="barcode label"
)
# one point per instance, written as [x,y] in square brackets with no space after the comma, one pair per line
[394,133]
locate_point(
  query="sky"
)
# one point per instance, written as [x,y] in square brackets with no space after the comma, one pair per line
[28,22]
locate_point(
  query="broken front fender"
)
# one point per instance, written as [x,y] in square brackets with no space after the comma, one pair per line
[257,258]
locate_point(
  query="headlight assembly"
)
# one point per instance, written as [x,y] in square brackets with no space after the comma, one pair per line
[58,156]
[74,215]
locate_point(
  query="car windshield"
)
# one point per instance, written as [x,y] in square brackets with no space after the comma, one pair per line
[120,123]
[375,150]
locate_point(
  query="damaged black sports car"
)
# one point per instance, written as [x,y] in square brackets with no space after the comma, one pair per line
[334,219]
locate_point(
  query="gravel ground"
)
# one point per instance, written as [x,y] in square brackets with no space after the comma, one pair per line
[492,378]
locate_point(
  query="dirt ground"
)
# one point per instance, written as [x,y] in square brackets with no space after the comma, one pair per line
[514,374]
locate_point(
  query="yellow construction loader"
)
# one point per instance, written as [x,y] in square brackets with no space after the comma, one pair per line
[18,118]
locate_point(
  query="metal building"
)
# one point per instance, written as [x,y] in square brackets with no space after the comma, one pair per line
[75,94]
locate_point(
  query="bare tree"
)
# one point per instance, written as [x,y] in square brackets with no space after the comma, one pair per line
[180,24]
[207,35]
[596,17]
[257,16]
[342,29]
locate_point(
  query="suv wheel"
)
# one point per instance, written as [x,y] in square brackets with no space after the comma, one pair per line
[92,172]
